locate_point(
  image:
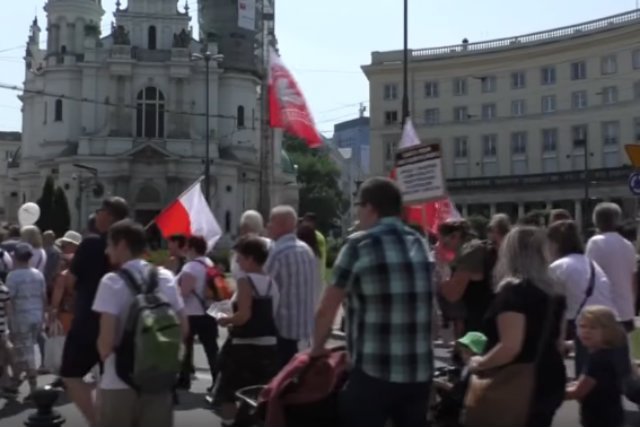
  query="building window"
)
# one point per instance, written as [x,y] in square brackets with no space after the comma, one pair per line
[460,146]
[548,104]
[57,111]
[460,114]
[579,100]
[549,140]
[488,111]
[548,75]
[609,65]
[459,87]
[519,143]
[518,108]
[432,116]
[489,145]
[390,117]
[431,90]
[636,90]
[636,128]
[150,113]
[609,95]
[610,133]
[518,80]
[579,70]
[579,134]
[636,59]
[390,92]
[46,112]
[240,116]
[489,84]
[152,38]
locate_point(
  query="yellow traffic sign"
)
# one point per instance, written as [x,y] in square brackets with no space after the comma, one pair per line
[633,152]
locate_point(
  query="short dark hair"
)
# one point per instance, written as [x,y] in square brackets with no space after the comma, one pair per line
[252,246]
[454,226]
[566,236]
[311,217]
[198,244]
[383,195]
[14,232]
[559,215]
[116,207]
[180,239]
[130,232]
[307,234]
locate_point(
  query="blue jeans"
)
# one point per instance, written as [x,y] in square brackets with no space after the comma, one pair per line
[370,402]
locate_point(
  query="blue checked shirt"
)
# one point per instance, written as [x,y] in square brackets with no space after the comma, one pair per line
[386,273]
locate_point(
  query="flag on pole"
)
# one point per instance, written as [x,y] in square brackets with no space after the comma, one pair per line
[429,214]
[190,215]
[247,14]
[287,107]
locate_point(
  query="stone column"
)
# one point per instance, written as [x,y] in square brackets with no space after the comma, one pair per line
[465,210]
[578,215]
[549,205]
[520,210]
[492,209]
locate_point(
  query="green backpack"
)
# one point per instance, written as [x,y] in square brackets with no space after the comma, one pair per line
[148,358]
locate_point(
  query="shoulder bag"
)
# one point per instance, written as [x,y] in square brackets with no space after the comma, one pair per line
[501,397]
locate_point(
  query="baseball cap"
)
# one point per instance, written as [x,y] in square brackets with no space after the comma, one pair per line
[474,341]
[23,251]
[116,206]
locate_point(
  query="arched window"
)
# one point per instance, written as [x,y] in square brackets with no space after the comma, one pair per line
[152,38]
[57,114]
[63,50]
[240,116]
[150,113]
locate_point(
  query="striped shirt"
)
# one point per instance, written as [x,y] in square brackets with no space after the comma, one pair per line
[386,274]
[4,299]
[295,269]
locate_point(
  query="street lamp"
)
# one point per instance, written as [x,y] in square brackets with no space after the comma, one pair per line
[207,57]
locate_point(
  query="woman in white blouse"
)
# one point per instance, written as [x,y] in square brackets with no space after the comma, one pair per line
[585,282]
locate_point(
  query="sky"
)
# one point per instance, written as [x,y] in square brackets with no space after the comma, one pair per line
[325,42]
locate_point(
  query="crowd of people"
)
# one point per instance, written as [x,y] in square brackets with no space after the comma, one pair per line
[519,304]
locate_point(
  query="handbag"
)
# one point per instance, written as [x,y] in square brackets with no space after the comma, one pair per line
[589,292]
[53,348]
[501,397]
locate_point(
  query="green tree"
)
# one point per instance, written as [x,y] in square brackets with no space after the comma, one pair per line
[61,219]
[45,202]
[318,177]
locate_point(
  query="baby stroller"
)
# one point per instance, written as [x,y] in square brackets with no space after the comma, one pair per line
[303,394]
[446,406]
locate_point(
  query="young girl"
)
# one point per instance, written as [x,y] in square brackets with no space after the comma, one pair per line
[599,388]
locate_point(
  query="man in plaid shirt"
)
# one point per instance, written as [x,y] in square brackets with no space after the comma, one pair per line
[384,273]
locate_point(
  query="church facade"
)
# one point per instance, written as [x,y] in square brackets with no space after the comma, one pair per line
[124,114]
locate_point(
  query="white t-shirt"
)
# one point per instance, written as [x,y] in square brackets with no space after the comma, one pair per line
[38,260]
[114,297]
[575,272]
[617,258]
[192,306]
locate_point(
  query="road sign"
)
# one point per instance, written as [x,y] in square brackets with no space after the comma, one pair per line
[633,152]
[634,183]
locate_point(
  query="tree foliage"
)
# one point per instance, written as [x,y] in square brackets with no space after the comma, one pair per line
[318,177]
[45,202]
[61,220]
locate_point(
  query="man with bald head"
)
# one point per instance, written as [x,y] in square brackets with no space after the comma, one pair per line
[294,268]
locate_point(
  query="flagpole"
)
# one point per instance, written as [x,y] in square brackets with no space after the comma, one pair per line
[405,65]
[198,181]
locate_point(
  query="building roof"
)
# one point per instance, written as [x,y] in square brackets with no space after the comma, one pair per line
[465,48]
[10,136]
[350,124]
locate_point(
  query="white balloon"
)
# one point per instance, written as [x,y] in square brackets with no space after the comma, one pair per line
[28,214]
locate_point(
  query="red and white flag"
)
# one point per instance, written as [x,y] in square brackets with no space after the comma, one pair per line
[429,214]
[287,107]
[190,215]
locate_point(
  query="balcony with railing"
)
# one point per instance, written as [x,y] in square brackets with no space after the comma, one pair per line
[541,37]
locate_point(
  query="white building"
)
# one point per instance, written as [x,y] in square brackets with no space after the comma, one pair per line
[127,111]
[515,116]
[9,200]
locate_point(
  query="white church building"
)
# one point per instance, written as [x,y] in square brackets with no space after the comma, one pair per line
[123,114]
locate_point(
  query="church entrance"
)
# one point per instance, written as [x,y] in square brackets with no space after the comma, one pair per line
[148,204]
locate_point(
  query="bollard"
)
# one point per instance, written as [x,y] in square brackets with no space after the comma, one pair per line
[45,416]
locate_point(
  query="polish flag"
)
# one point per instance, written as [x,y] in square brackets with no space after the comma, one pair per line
[190,215]
[429,214]
[287,107]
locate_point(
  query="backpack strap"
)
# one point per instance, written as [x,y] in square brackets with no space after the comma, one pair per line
[130,281]
[150,284]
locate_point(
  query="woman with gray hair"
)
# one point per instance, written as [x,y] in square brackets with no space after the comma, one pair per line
[524,326]
[251,222]
[31,234]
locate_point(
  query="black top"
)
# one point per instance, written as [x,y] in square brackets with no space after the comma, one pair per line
[261,323]
[89,265]
[529,300]
[602,407]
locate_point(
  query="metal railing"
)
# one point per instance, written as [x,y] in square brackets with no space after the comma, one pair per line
[577,30]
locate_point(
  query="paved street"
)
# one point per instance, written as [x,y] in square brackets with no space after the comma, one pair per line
[192,413]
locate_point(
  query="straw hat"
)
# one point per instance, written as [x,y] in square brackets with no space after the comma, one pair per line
[70,237]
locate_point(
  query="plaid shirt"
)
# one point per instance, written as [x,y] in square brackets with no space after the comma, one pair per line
[386,272]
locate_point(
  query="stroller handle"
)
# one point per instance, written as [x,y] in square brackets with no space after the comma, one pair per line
[249,395]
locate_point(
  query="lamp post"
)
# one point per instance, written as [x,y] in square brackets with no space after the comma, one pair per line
[207,57]
[405,65]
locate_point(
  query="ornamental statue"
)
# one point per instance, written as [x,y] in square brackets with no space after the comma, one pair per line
[120,35]
[182,39]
